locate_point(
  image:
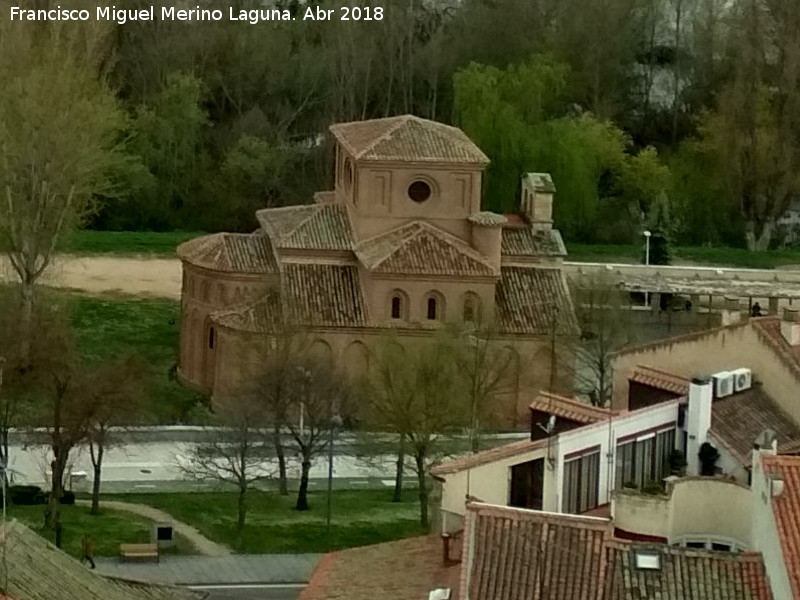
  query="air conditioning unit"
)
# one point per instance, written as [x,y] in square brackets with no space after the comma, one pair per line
[742,379]
[723,384]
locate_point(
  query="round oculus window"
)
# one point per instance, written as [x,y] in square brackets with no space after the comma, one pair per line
[419,191]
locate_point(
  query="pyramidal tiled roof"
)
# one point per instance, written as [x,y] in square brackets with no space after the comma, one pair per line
[308,227]
[422,249]
[407,138]
[230,253]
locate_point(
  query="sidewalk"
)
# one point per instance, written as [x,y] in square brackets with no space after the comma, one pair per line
[210,570]
[202,544]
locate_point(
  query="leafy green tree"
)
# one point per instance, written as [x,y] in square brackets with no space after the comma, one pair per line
[60,138]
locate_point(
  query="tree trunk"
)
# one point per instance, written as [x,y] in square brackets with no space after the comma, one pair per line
[56,491]
[242,508]
[423,492]
[282,483]
[26,320]
[758,242]
[97,464]
[302,493]
[398,476]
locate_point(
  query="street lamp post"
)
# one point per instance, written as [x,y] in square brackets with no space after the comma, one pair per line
[647,235]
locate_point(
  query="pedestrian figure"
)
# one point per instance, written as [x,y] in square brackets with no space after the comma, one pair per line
[756,310]
[88,550]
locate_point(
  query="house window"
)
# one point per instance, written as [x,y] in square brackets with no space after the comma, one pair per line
[432,314]
[397,307]
[645,459]
[581,479]
[211,338]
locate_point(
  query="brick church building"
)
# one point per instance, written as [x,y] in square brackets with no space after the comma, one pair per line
[400,244]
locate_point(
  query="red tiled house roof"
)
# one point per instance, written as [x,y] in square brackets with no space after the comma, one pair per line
[660,379]
[404,570]
[786,509]
[517,554]
[488,456]
[737,421]
[569,408]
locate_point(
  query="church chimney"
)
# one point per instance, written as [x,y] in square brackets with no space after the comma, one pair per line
[537,199]
[487,235]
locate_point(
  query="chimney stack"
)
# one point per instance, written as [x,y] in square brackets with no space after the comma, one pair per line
[790,326]
[698,420]
[487,235]
[731,311]
[537,199]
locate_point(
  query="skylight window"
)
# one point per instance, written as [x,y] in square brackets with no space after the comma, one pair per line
[647,560]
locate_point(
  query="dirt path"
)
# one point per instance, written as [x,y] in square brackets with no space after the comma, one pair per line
[202,544]
[129,275]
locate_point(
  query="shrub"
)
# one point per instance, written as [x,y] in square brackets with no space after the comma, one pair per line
[68,498]
[26,495]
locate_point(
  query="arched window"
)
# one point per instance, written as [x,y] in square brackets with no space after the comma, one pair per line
[397,307]
[210,338]
[432,312]
[471,313]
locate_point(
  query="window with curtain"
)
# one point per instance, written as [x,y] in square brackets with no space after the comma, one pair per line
[581,480]
[644,459]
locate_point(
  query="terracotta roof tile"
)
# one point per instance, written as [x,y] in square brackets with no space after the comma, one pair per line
[230,253]
[525,298]
[422,249]
[520,554]
[524,241]
[320,295]
[407,138]
[569,408]
[786,509]
[660,379]
[319,226]
[489,456]
[738,419]
[404,570]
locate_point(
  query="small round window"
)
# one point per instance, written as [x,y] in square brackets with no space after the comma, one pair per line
[419,191]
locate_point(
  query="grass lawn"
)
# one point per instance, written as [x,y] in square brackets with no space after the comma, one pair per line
[111,325]
[719,256]
[108,530]
[360,517]
[127,242]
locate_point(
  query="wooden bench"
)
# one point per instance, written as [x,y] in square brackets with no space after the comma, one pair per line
[136,551]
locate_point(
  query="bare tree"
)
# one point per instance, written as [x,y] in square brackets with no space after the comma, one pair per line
[55,156]
[319,395]
[604,318]
[116,398]
[233,451]
[419,394]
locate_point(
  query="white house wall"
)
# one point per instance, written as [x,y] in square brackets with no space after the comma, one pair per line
[605,435]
